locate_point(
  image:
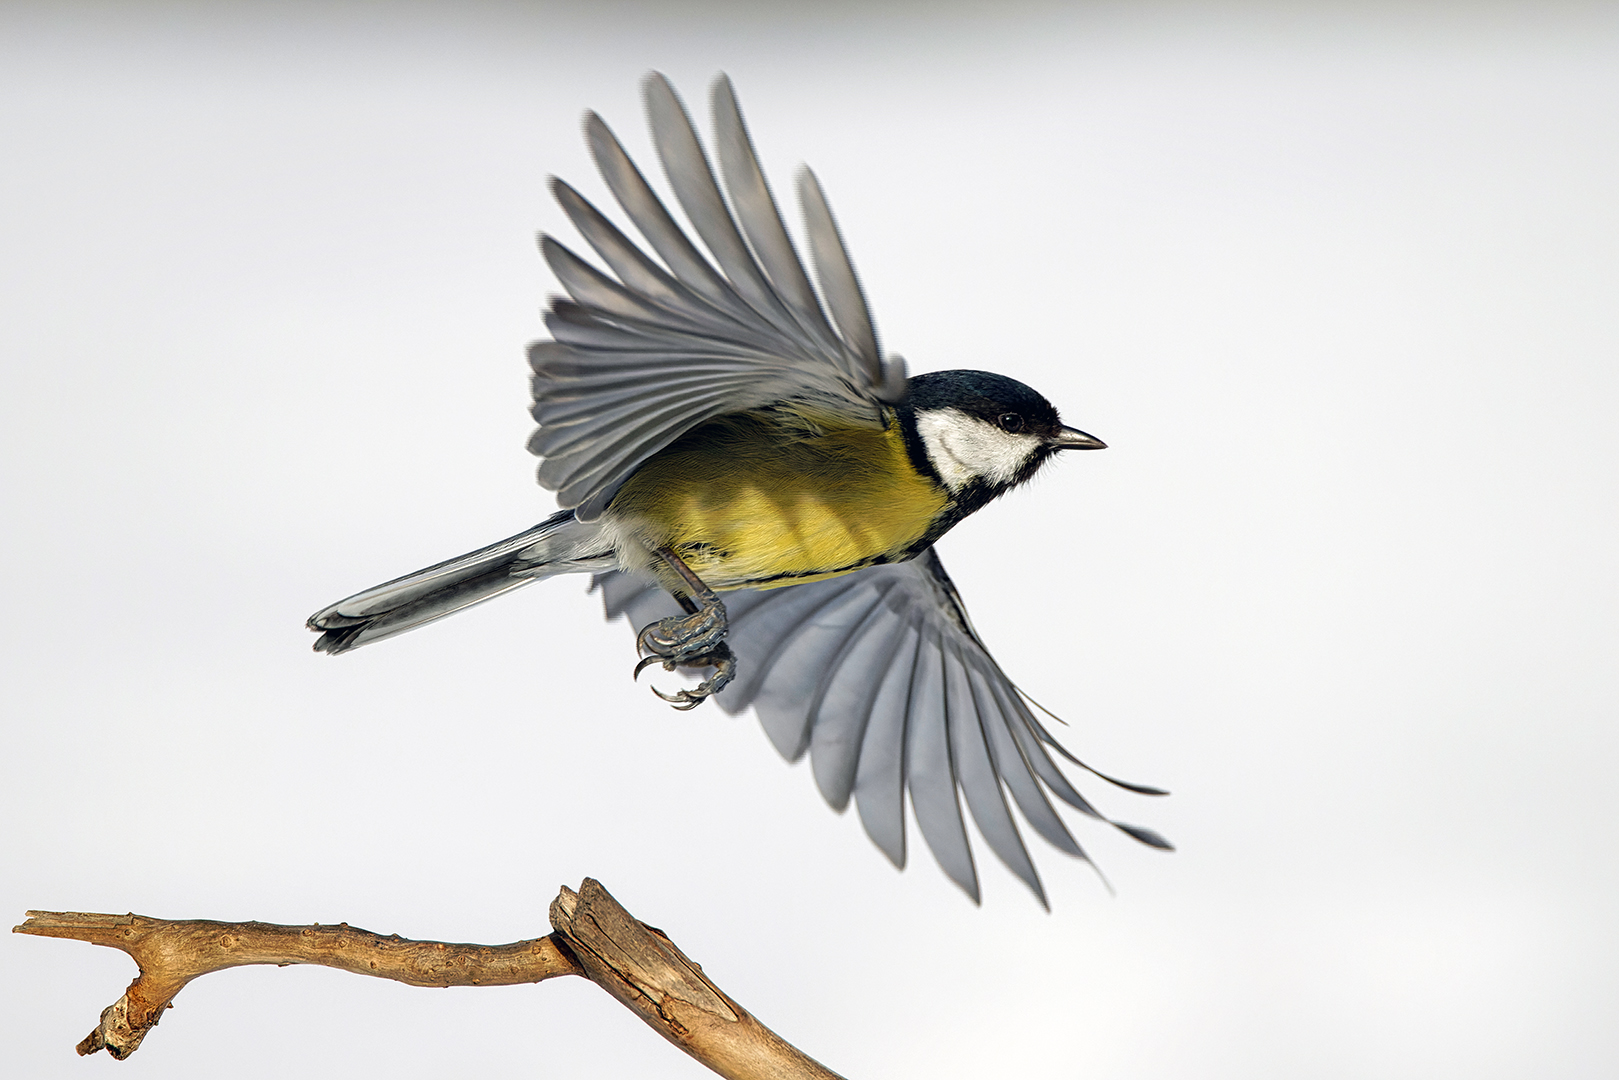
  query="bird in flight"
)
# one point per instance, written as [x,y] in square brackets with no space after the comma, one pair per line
[752,482]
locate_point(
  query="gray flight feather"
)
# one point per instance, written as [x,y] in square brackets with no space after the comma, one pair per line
[930,774]
[880,677]
[838,280]
[879,782]
[761,221]
[645,353]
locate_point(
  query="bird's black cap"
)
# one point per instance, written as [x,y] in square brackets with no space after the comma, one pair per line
[983,394]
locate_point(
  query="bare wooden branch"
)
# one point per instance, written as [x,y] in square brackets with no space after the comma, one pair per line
[594,937]
[171,954]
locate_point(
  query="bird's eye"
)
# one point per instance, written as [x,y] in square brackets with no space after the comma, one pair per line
[1010,421]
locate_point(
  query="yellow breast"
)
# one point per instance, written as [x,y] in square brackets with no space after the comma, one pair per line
[762,500]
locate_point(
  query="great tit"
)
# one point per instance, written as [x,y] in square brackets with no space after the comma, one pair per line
[708,428]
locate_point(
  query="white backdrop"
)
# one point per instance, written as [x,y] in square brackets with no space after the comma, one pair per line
[1337,286]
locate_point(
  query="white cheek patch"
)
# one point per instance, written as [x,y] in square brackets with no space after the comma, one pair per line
[964,448]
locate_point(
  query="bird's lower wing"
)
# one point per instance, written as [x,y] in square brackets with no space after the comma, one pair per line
[879,676]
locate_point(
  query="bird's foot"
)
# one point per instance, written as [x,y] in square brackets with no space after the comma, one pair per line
[683,638]
[695,639]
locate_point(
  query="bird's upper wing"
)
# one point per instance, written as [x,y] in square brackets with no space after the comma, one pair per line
[644,355]
[881,677]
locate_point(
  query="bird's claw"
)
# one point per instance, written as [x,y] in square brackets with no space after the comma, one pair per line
[720,658]
[646,662]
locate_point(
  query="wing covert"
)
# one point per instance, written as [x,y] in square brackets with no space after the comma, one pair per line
[880,678]
[644,351]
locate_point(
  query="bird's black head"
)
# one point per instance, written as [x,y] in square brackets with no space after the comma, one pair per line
[983,434]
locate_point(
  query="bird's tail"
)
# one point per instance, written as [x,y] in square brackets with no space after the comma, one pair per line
[558,545]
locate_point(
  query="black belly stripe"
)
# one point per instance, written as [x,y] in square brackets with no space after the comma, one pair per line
[875,560]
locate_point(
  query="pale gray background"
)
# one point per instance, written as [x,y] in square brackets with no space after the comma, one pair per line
[1337,283]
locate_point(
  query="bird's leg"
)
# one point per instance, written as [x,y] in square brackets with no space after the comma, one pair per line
[696,639]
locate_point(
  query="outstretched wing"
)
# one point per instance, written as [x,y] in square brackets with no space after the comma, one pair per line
[880,676]
[646,353]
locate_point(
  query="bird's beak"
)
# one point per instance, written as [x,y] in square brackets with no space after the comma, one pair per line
[1068,438]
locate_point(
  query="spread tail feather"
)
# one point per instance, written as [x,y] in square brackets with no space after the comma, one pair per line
[560,544]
